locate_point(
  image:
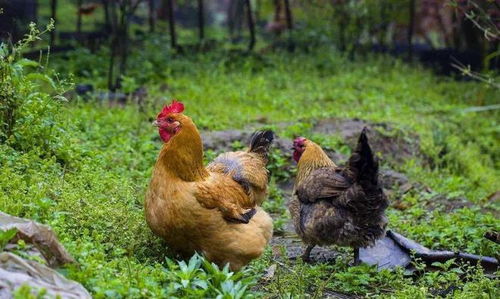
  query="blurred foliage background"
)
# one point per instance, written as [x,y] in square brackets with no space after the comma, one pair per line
[76,146]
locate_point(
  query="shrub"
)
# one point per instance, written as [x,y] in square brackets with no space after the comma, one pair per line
[30,99]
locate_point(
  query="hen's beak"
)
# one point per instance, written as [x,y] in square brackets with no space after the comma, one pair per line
[155,123]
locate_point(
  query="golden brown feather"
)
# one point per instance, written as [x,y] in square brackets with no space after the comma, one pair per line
[189,205]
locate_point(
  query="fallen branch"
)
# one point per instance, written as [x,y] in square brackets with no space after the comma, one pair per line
[430,256]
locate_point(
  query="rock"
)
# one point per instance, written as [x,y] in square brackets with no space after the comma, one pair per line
[269,273]
[443,203]
[406,187]
[41,242]
[41,236]
[83,89]
[16,272]
[385,254]
[391,178]
[494,197]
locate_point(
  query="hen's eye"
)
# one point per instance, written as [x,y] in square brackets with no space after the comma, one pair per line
[170,119]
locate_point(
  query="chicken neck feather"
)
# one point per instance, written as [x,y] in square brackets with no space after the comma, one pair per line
[182,156]
[313,157]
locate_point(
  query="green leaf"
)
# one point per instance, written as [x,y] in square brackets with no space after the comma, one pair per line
[6,236]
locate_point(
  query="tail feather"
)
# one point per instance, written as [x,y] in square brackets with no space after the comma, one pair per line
[261,142]
[363,169]
[362,163]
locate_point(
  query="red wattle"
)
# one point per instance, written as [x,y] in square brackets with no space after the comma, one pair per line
[164,135]
[296,156]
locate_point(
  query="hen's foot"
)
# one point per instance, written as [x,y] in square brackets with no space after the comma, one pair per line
[306,256]
[357,261]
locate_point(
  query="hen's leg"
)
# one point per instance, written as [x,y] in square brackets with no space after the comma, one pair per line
[356,256]
[307,252]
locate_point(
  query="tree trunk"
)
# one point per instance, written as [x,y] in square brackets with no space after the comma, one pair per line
[381,32]
[235,18]
[111,66]
[251,25]
[289,25]
[171,22]
[201,20]
[288,15]
[411,26]
[113,41]
[123,44]
[277,10]
[152,16]
[79,18]
[107,22]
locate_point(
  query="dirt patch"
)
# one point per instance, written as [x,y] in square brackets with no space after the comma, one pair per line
[442,203]
[433,201]
[393,144]
[291,247]
[221,141]
[392,179]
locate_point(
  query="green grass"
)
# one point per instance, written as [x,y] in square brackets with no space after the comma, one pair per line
[83,166]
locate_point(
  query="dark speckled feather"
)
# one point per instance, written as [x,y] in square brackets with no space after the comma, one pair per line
[322,183]
[339,205]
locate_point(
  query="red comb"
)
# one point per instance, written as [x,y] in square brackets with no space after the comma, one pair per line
[174,107]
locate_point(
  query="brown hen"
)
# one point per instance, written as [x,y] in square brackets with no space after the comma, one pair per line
[214,210]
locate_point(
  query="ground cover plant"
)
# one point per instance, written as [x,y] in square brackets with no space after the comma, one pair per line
[82,163]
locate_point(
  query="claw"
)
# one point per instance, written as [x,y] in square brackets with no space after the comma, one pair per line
[306,256]
[306,259]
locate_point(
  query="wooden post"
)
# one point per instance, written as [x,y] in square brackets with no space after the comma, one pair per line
[411,29]
[251,25]
[152,16]
[201,20]
[171,22]
[53,15]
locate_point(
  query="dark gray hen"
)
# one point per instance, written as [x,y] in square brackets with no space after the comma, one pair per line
[337,205]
